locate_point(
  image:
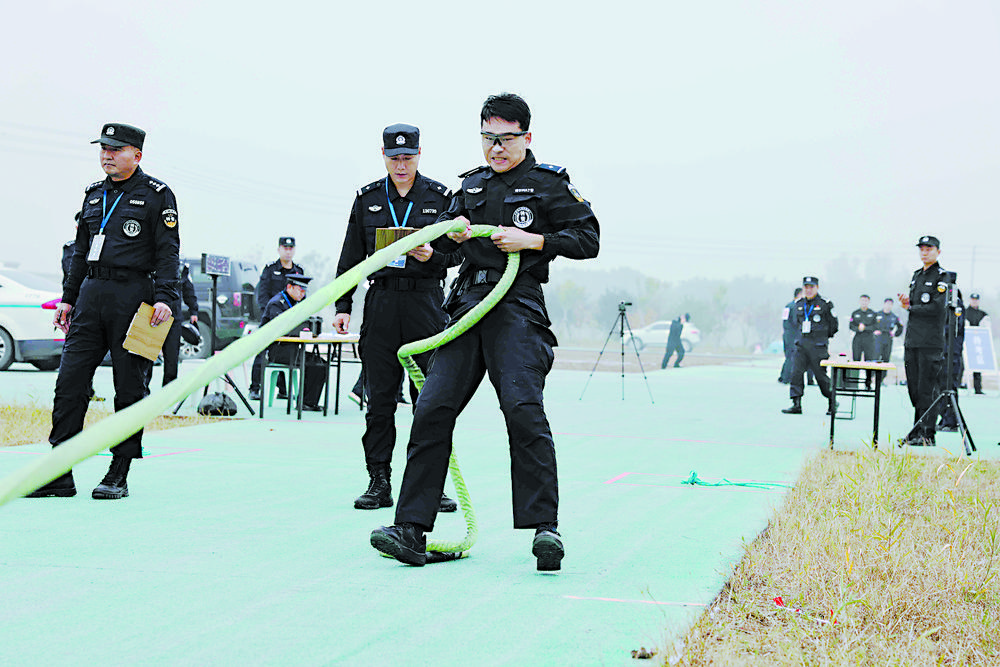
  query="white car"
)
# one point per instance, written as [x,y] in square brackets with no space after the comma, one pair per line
[27,306]
[655,335]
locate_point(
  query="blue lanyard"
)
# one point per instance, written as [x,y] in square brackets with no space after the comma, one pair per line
[107,214]
[392,209]
[808,310]
[287,300]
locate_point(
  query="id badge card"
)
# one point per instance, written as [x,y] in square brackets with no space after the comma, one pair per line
[96,245]
[398,263]
[806,327]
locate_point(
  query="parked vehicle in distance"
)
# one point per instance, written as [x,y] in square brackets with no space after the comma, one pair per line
[27,307]
[236,306]
[655,335]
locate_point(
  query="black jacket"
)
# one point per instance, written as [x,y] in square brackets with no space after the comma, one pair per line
[928,290]
[822,321]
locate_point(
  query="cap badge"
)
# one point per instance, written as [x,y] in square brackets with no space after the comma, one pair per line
[109,131]
[925,239]
[400,140]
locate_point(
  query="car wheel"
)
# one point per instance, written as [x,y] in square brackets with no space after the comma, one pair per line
[199,351]
[6,350]
[51,364]
[686,344]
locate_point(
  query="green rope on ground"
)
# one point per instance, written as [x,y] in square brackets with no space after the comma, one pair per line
[695,481]
[112,430]
[406,353]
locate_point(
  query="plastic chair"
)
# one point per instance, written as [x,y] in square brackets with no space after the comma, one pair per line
[271,373]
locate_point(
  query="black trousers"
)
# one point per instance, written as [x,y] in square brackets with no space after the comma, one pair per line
[392,319]
[516,353]
[98,325]
[863,345]
[172,345]
[883,347]
[673,346]
[807,357]
[923,382]
[284,353]
[257,369]
[788,346]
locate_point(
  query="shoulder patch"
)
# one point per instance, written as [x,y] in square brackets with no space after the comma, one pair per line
[576,193]
[93,186]
[371,186]
[440,188]
[466,174]
[551,167]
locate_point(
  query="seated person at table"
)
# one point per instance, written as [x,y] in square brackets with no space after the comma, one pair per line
[284,353]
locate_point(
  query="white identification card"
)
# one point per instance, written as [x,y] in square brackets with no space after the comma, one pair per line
[806,326]
[398,263]
[96,245]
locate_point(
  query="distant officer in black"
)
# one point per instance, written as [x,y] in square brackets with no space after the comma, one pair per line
[284,353]
[126,254]
[539,213]
[816,324]
[974,316]
[863,325]
[404,302]
[674,343]
[887,326]
[924,343]
[172,344]
[272,282]
[789,334]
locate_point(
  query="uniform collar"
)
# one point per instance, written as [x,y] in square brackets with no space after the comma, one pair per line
[128,184]
[419,185]
[511,175]
[932,267]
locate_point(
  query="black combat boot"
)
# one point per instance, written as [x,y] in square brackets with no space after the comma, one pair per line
[795,408]
[61,487]
[114,485]
[547,548]
[379,493]
[404,542]
[447,504]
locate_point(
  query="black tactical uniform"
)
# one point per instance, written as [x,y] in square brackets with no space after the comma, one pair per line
[403,304]
[816,324]
[172,343]
[674,343]
[138,263]
[975,318]
[272,282]
[512,343]
[284,353]
[789,333]
[863,344]
[887,327]
[924,342]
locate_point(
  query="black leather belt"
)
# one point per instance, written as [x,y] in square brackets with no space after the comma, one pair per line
[407,284]
[113,273]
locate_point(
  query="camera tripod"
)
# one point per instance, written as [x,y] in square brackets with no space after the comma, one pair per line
[946,397]
[621,324]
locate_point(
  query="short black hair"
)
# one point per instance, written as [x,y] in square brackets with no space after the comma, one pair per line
[864,296]
[506,106]
[798,291]
[888,300]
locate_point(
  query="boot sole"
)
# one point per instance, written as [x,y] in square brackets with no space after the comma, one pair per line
[549,552]
[98,494]
[57,493]
[391,547]
[359,505]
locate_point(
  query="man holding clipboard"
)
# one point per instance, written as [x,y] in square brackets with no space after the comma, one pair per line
[126,255]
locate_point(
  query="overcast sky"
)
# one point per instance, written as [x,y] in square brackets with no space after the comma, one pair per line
[714,139]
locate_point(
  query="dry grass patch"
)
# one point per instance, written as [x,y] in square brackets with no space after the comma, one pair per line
[880,558]
[23,424]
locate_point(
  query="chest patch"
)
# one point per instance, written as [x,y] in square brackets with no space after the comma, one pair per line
[474,191]
[94,202]
[430,210]
[375,208]
[137,202]
[522,217]
[131,228]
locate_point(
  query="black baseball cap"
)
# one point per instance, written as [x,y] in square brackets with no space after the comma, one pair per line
[810,280]
[401,139]
[974,295]
[929,240]
[287,240]
[297,279]
[117,135]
